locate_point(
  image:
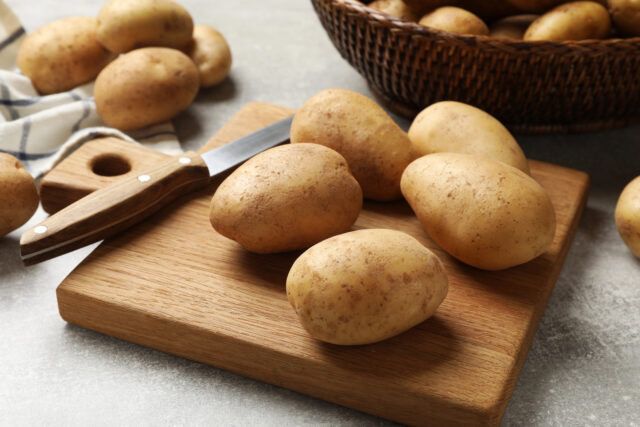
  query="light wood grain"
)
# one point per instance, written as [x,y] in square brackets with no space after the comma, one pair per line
[172,283]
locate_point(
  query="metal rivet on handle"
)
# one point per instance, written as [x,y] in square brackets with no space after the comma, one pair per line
[144,178]
[40,229]
[184,160]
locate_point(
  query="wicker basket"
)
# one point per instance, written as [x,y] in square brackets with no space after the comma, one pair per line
[532,87]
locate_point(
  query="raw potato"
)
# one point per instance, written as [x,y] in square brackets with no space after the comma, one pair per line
[580,20]
[512,27]
[124,25]
[457,127]
[365,286]
[287,198]
[484,213]
[397,8]
[18,194]
[628,216]
[626,16]
[63,54]
[211,54]
[455,20]
[145,86]
[375,147]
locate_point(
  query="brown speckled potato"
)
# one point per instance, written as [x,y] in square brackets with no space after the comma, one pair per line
[626,16]
[375,147]
[124,25]
[580,20]
[145,86]
[63,54]
[365,286]
[455,20]
[628,216]
[287,198]
[211,54]
[485,213]
[18,194]
[397,8]
[457,127]
[512,27]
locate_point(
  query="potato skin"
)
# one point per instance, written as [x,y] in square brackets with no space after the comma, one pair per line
[485,213]
[287,198]
[397,8]
[375,147]
[461,128]
[628,216]
[580,20]
[211,54]
[18,194]
[512,27]
[626,16]
[62,54]
[455,20]
[145,86]
[365,286]
[124,25]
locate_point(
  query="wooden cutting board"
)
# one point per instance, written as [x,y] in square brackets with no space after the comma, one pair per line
[172,283]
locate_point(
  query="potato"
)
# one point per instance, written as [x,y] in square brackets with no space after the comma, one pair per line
[375,147]
[287,198]
[461,128]
[124,25]
[626,16]
[512,27]
[365,286]
[211,54]
[485,213]
[628,216]
[455,20]
[63,54]
[145,86]
[397,8]
[18,194]
[580,20]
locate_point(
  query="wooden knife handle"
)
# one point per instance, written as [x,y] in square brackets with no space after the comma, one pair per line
[113,208]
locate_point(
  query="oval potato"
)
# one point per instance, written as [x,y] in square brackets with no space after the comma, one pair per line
[287,198]
[210,52]
[396,8]
[455,20]
[485,213]
[124,25]
[580,20]
[62,54]
[461,128]
[365,286]
[145,86]
[512,27]
[375,147]
[18,194]
[627,216]
[626,16]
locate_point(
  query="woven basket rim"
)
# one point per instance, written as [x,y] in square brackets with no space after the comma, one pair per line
[416,28]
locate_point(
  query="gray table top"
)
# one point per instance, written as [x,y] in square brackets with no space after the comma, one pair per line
[584,365]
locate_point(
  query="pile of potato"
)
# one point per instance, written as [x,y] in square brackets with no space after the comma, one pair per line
[556,20]
[164,61]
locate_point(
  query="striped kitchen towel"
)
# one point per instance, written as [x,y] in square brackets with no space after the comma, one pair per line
[41,130]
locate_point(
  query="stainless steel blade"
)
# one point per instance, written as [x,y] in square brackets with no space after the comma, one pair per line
[232,154]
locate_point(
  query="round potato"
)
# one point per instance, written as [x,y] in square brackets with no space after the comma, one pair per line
[211,54]
[124,25]
[485,213]
[397,8]
[145,86]
[512,27]
[375,147]
[626,16]
[457,127]
[18,194]
[455,20]
[287,198]
[628,216]
[365,286]
[62,55]
[580,20]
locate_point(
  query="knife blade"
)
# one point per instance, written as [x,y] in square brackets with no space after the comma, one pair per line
[129,200]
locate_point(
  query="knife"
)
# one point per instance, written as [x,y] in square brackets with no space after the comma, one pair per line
[129,200]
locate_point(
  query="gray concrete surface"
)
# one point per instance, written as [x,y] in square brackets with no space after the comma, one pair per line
[583,368]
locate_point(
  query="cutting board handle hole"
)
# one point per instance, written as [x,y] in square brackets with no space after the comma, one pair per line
[110,165]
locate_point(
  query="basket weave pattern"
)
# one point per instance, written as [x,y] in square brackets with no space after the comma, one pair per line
[532,87]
